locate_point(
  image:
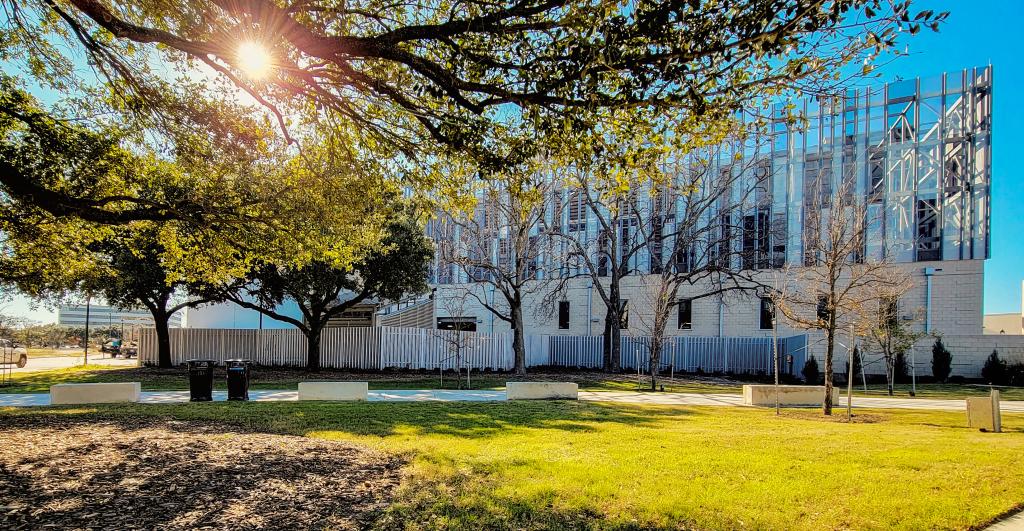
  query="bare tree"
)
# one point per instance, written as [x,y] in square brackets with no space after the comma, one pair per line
[501,244]
[456,337]
[838,285]
[691,236]
[893,335]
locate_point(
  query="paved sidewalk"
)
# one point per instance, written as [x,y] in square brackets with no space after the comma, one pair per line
[689,399]
[624,397]
[1013,523]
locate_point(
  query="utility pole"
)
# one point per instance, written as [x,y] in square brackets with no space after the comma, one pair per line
[775,358]
[88,302]
[852,349]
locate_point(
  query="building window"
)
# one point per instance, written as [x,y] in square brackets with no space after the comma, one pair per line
[929,239]
[767,313]
[685,314]
[822,309]
[563,315]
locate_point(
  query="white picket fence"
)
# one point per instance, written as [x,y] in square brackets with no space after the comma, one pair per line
[418,348]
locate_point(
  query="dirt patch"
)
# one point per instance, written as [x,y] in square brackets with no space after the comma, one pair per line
[156,474]
[838,415]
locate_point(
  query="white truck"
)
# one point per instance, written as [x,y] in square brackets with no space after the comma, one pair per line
[12,354]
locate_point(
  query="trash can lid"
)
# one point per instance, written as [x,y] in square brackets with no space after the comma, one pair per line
[201,359]
[238,360]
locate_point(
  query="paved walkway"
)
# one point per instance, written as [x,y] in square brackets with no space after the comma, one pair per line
[625,397]
[1013,523]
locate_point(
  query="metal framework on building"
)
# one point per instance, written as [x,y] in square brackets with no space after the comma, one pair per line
[917,152]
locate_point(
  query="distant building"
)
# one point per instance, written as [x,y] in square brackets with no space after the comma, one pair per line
[108,316]
[231,315]
[1004,323]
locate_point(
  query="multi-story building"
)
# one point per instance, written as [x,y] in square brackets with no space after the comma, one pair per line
[918,154]
[100,316]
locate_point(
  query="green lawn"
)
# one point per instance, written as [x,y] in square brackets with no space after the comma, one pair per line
[545,465]
[266,378]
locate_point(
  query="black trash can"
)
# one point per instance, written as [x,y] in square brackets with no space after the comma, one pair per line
[238,379]
[200,380]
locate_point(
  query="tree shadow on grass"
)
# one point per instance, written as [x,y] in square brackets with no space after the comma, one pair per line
[458,419]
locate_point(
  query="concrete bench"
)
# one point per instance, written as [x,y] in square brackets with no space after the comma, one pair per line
[333,390]
[789,395]
[541,390]
[95,393]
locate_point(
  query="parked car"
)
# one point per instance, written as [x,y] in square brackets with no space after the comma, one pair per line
[131,350]
[112,347]
[12,354]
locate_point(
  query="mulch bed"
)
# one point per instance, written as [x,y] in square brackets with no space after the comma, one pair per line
[159,474]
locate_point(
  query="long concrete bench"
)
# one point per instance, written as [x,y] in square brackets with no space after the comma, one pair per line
[333,390]
[95,393]
[789,395]
[541,390]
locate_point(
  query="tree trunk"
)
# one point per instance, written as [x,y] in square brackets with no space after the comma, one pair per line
[313,347]
[890,373]
[615,356]
[826,406]
[163,339]
[518,341]
[606,361]
[613,327]
[655,360]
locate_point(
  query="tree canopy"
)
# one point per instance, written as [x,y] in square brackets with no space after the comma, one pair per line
[323,290]
[448,72]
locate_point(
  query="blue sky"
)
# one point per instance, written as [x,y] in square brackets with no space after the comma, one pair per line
[977,33]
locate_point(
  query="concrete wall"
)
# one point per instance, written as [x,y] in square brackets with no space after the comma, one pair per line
[956,306]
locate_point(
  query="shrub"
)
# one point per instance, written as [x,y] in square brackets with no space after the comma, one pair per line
[900,369]
[942,361]
[1015,374]
[994,371]
[810,371]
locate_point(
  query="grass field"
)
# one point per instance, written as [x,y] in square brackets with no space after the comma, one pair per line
[264,378]
[153,379]
[940,391]
[583,465]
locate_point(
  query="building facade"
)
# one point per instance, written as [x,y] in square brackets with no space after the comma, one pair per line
[917,155]
[100,316]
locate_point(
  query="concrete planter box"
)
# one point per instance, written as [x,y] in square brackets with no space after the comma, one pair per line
[789,395]
[333,390]
[541,391]
[95,393]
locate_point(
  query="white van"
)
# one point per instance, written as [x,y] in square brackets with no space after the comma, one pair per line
[12,354]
